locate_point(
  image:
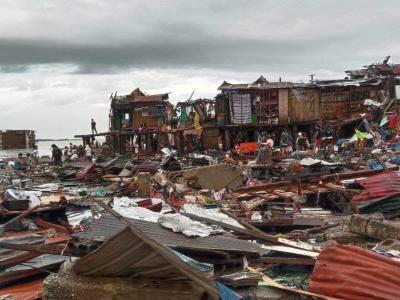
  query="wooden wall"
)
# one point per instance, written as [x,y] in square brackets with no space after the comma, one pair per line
[303,105]
[283,106]
[210,137]
[150,121]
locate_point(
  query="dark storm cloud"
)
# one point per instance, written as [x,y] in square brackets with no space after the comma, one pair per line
[106,37]
[229,53]
[289,36]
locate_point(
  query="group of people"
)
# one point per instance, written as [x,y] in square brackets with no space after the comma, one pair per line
[68,153]
[286,145]
[388,129]
[31,160]
[71,153]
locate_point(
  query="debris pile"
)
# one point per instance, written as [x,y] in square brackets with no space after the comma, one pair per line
[266,219]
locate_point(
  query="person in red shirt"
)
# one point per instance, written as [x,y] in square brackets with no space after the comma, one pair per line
[394,121]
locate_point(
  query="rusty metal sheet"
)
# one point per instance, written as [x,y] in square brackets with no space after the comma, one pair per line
[10,257]
[384,185]
[33,267]
[353,273]
[23,291]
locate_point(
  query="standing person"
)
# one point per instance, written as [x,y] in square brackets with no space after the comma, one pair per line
[56,155]
[65,152]
[269,147]
[377,137]
[394,121]
[260,139]
[264,155]
[35,156]
[88,153]
[317,138]
[93,126]
[285,142]
[362,131]
[70,148]
[301,142]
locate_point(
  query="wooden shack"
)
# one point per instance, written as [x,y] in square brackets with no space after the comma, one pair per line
[258,103]
[137,109]
[246,109]
[17,139]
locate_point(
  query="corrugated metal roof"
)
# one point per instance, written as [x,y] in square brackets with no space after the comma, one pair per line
[353,273]
[9,257]
[126,255]
[102,229]
[24,291]
[131,253]
[381,186]
[35,266]
[268,85]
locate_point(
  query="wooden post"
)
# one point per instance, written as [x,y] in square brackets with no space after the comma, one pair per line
[149,143]
[143,184]
[180,142]
[139,141]
[228,141]
[158,138]
[175,135]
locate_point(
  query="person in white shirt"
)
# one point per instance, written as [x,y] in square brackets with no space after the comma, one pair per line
[269,146]
[35,156]
[88,153]
[265,150]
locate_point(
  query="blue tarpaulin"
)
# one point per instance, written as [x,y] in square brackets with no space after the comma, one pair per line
[227,294]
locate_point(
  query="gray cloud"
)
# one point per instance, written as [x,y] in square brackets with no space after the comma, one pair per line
[291,36]
[13,68]
[60,60]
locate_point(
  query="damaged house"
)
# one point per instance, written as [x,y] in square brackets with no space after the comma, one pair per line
[136,109]
[17,139]
[245,109]
[197,119]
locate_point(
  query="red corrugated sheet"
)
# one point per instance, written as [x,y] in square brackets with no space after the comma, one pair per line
[353,273]
[24,291]
[380,186]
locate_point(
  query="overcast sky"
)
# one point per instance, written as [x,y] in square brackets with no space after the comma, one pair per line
[60,60]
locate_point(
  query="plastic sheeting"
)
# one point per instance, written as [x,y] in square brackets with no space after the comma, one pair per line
[129,209]
[213,214]
[185,225]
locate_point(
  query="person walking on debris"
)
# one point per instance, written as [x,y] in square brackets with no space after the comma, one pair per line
[317,138]
[285,142]
[35,157]
[56,154]
[301,142]
[265,150]
[394,122]
[65,152]
[70,148]
[362,131]
[93,126]
[269,147]
[260,138]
